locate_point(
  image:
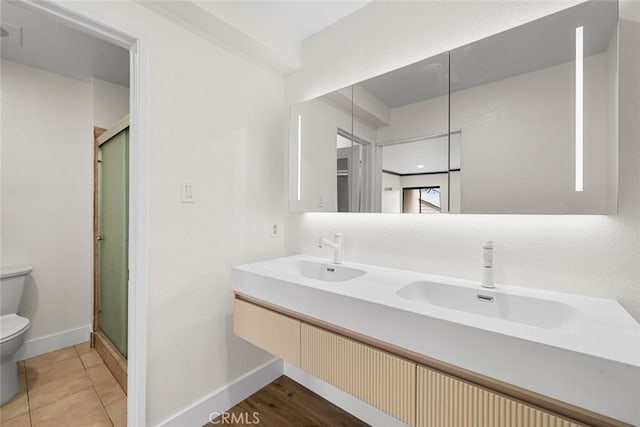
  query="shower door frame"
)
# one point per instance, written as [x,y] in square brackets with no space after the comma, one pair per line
[136,44]
[103,137]
[96,272]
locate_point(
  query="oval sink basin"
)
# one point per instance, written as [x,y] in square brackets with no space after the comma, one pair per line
[319,271]
[537,312]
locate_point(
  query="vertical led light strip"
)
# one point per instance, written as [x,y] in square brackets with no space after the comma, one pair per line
[579,110]
[299,151]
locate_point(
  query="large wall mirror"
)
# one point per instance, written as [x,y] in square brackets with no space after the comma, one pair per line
[522,122]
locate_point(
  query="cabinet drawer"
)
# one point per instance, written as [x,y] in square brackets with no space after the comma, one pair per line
[378,378]
[444,401]
[272,332]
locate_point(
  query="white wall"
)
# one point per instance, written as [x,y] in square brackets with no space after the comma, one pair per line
[47,194]
[391,200]
[110,103]
[590,255]
[217,119]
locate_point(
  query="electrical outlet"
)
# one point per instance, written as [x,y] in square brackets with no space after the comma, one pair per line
[275,230]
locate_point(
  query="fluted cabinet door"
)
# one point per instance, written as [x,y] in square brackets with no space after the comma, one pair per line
[271,331]
[444,401]
[376,377]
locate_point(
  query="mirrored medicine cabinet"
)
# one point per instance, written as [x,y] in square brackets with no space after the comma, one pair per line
[522,122]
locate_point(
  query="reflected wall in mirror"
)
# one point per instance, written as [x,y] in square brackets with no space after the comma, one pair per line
[318,153]
[539,127]
[521,122]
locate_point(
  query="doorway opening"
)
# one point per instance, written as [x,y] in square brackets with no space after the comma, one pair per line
[421,200]
[135,306]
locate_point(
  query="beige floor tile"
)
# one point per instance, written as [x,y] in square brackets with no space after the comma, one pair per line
[118,412]
[19,421]
[108,388]
[62,369]
[81,409]
[46,393]
[18,405]
[90,358]
[50,358]
[83,348]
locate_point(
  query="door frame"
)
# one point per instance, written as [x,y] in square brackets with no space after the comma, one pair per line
[96,231]
[136,44]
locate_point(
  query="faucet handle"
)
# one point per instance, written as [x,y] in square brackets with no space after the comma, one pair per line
[337,239]
[488,253]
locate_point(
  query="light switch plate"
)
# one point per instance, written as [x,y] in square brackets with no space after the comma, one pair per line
[188,191]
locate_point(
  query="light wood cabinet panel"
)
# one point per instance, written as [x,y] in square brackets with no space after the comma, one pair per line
[376,377]
[272,332]
[445,401]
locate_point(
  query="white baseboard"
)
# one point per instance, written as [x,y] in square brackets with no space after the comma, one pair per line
[37,346]
[227,397]
[345,401]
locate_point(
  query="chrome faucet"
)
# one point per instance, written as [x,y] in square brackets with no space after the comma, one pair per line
[336,245]
[487,271]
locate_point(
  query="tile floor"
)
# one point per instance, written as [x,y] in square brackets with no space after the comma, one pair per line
[68,387]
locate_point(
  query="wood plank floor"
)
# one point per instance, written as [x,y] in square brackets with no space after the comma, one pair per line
[285,403]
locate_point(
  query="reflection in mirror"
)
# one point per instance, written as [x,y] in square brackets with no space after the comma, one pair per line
[539,126]
[354,163]
[421,163]
[403,117]
[318,130]
[522,122]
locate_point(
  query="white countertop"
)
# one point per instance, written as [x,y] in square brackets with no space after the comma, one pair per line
[591,360]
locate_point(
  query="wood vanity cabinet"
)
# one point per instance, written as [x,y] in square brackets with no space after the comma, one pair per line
[379,378]
[271,331]
[414,393]
[446,401]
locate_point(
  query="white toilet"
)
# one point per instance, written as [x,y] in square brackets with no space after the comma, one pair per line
[13,328]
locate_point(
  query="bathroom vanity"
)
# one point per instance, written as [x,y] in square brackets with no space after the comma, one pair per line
[441,351]
[520,122]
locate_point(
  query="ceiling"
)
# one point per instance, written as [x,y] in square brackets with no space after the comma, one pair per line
[303,18]
[533,46]
[428,155]
[39,41]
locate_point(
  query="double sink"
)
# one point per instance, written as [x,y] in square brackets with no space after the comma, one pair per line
[537,312]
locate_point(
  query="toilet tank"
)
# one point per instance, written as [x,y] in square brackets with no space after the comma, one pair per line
[12,281]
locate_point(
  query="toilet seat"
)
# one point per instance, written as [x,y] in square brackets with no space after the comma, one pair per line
[11,326]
